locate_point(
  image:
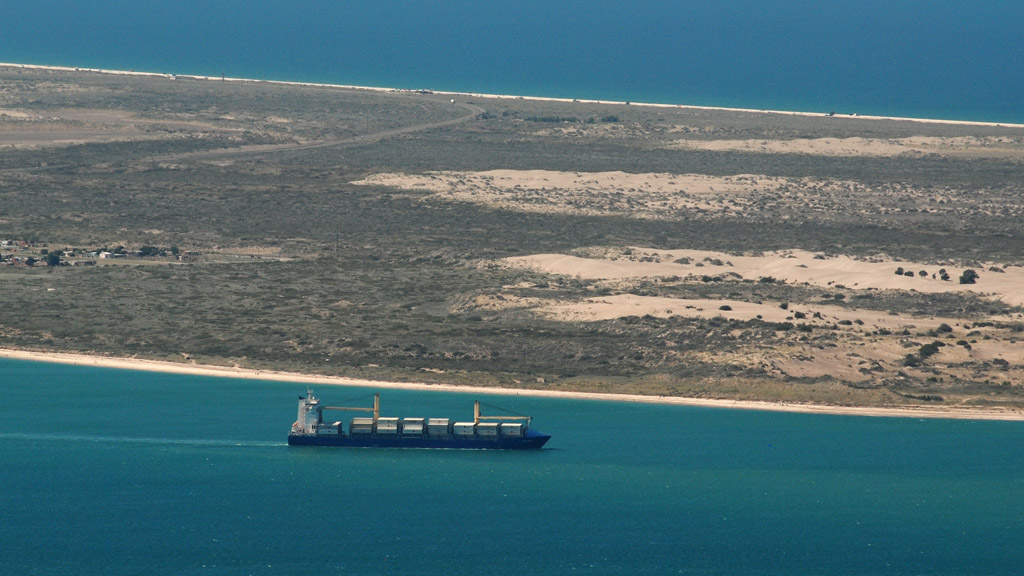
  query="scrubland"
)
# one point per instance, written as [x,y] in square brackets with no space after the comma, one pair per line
[405,236]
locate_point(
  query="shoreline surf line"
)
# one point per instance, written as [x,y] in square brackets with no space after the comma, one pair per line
[515,97]
[1014,414]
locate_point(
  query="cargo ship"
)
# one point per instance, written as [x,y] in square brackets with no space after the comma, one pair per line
[482,432]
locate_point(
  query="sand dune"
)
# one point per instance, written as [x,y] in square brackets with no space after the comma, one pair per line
[864,346]
[665,196]
[646,195]
[621,305]
[794,266]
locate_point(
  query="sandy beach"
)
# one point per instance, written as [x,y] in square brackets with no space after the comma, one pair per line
[312,379]
[504,96]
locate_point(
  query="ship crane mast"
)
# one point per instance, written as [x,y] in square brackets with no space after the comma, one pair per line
[375,409]
[478,416]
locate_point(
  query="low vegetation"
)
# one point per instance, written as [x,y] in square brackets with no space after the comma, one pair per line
[245,243]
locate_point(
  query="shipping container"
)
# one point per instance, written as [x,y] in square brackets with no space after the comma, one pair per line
[387,426]
[487,429]
[329,428]
[439,426]
[412,426]
[511,429]
[463,428]
[361,426]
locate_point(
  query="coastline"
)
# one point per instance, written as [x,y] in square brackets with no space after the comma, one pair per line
[510,97]
[155,80]
[250,374]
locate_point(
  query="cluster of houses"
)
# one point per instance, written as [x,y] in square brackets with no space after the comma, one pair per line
[42,256]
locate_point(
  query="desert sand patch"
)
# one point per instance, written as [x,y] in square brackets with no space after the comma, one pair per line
[621,305]
[647,195]
[863,345]
[22,129]
[915,146]
[794,266]
[859,346]
[665,196]
[11,113]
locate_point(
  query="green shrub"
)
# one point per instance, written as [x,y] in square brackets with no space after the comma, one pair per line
[929,350]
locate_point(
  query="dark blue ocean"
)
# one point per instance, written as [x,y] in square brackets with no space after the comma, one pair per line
[921,58]
[106,471]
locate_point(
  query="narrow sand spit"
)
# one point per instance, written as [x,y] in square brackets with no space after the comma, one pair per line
[1002,147]
[241,373]
[503,96]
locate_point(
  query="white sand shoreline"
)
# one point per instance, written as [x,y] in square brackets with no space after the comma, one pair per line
[313,379]
[509,97]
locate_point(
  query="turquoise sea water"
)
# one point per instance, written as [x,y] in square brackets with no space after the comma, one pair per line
[921,58]
[116,472]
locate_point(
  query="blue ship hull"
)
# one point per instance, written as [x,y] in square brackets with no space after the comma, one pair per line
[481,433]
[531,441]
